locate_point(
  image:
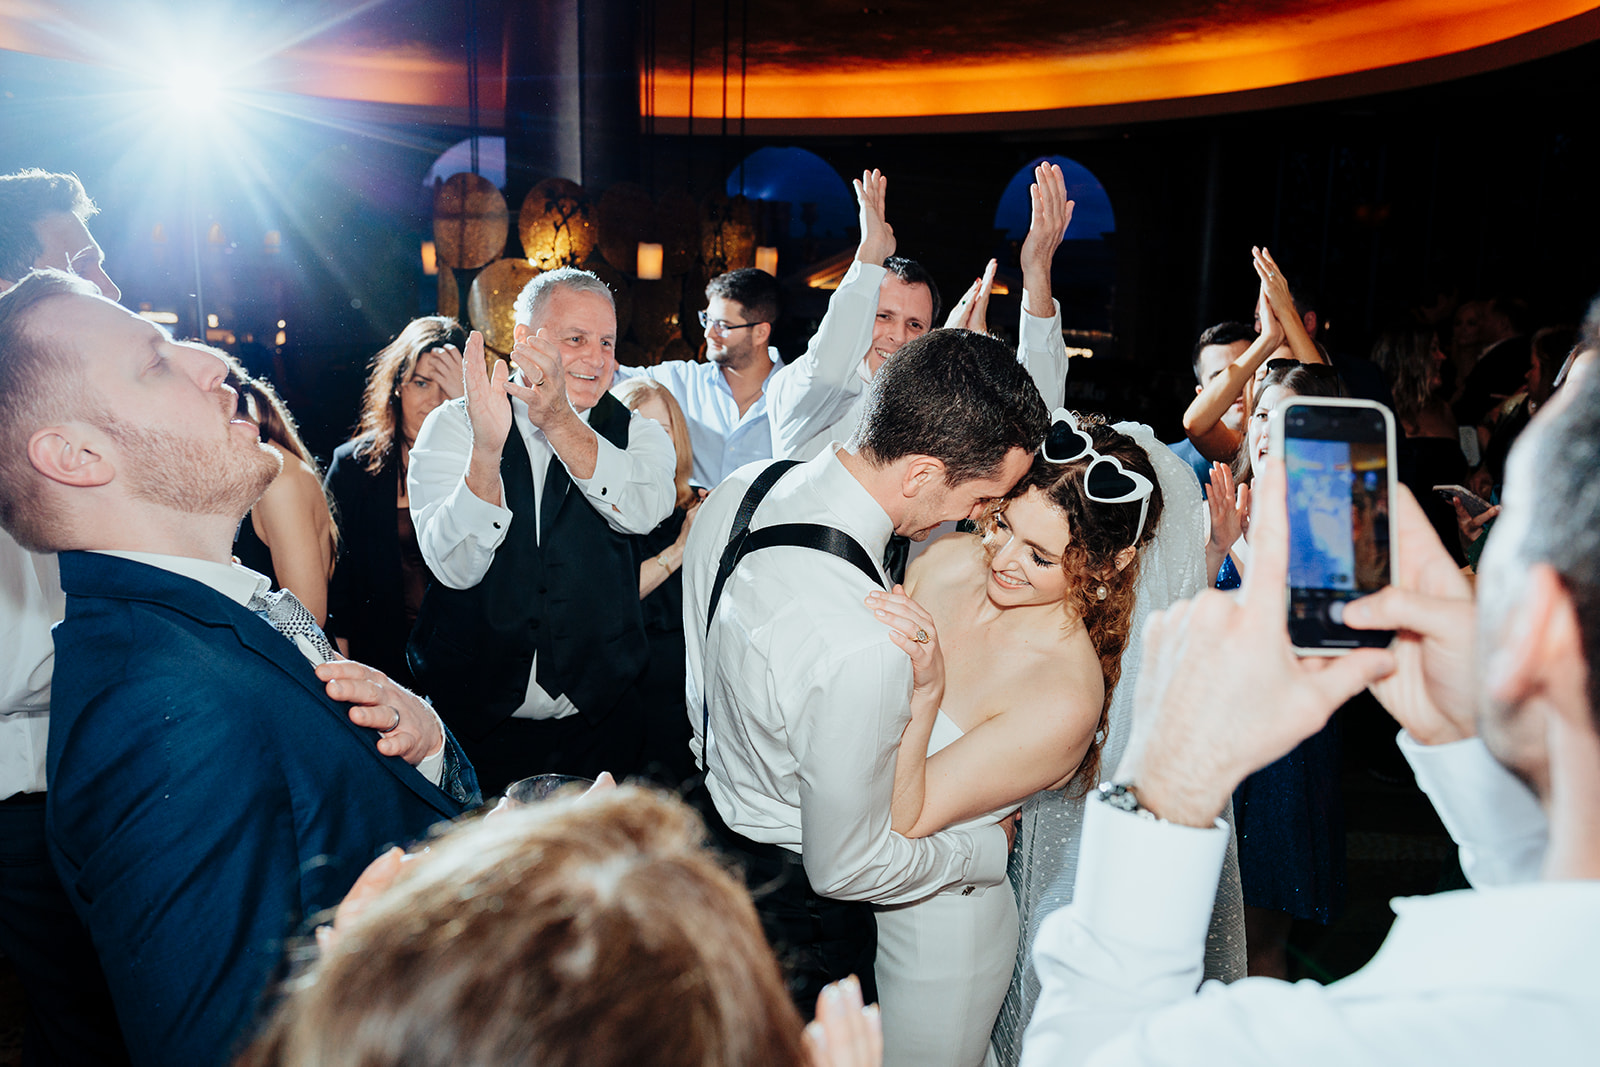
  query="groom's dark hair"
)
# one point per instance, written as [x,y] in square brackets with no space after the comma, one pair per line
[958,396]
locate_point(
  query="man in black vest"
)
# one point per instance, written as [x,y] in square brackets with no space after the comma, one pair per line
[530,638]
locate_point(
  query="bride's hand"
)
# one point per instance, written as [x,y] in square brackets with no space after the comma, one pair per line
[912,628]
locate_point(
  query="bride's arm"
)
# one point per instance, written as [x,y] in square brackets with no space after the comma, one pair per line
[907,620]
[1037,742]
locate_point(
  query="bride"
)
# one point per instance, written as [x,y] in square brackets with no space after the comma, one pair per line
[1016,639]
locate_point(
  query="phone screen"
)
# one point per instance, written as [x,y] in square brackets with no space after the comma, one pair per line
[1338,464]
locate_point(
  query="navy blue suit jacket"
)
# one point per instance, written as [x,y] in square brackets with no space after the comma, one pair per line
[207,799]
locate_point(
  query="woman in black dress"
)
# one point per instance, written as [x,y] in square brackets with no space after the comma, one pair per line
[661,590]
[378,584]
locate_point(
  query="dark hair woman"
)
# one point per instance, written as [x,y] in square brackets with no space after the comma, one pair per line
[378,585]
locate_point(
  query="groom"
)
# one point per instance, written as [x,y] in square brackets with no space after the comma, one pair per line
[796,694]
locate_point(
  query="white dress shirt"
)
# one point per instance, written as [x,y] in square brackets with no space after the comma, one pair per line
[1502,973]
[458,532]
[240,584]
[821,396]
[808,697]
[31,602]
[723,440]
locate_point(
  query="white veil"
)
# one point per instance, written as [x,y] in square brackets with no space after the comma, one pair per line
[1044,863]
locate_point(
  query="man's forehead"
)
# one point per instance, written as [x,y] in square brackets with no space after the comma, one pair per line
[576,309]
[915,296]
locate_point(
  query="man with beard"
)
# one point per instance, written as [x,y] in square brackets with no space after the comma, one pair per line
[214,779]
[725,398]
[1503,729]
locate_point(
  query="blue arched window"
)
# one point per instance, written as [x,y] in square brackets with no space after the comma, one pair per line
[822,206]
[1084,277]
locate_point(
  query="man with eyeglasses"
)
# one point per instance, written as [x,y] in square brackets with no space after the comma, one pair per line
[724,399]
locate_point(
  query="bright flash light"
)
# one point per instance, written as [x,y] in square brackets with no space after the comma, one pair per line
[195,86]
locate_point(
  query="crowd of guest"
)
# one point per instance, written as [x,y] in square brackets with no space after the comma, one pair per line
[965,723]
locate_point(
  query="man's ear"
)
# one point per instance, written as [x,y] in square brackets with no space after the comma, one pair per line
[1540,642]
[920,473]
[763,333]
[520,332]
[70,455]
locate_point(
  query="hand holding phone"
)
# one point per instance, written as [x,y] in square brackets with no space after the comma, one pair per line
[1339,460]
[1474,504]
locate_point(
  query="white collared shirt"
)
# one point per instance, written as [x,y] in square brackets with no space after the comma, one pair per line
[459,532]
[240,584]
[809,697]
[1499,974]
[822,395]
[31,602]
[723,440]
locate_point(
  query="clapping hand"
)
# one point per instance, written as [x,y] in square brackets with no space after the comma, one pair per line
[488,409]
[1049,216]
[972,310]
[877,236]
[1230,515]
[543,371]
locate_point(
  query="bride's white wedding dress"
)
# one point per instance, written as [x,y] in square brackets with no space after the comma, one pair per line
[945,962]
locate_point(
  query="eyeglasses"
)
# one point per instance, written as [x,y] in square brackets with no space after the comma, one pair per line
[721,326]
[1105,481]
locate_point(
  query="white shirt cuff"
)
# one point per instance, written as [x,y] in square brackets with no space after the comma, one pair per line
[1145,881]
[605,485]
[486,522]
[1038,329]
[1490,813]
[432,766]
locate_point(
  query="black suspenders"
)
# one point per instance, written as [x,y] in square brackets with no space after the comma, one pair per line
[742,541]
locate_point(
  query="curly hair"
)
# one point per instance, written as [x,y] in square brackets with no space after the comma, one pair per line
[1406,359]
[1098,532]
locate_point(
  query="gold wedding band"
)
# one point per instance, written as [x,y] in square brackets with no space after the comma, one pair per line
[922,637]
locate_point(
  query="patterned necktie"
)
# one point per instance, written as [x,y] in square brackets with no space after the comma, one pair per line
[293,620]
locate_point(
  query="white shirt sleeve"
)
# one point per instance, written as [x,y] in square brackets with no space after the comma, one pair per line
[1491,815]
[1133,939]
[633,489]
[457,531]
[816,390]
[846,770]
[1043,351]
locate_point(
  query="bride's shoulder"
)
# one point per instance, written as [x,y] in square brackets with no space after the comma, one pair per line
[951,558]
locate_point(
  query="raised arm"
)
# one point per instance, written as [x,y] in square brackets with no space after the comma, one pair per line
[817,389]
[1276,288]
[1040,345]
[1202,422]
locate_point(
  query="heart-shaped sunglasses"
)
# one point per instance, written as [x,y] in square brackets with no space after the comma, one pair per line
[1106,481]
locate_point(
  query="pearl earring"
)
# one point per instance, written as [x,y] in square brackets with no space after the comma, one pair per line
[1102,592]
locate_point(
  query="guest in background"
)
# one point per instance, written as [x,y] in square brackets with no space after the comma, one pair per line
[531,497]
[378,585]
[1290,813]
[43,223]
[661,590]
[596,931]
[289,534]
[1217,347]
[725,398]
[1430,454]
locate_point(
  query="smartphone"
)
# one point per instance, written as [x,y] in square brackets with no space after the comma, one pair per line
[1474,503]
[1339,456]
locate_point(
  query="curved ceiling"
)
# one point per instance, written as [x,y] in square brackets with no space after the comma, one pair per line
[836,64]
[843,65]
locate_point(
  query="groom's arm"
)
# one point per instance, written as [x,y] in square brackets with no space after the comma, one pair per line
[848,724]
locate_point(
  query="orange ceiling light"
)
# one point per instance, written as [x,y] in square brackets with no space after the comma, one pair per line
[1344,39]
